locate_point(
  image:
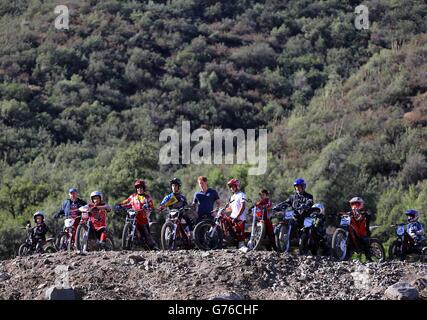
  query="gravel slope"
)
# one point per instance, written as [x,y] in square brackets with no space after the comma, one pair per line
[203,275]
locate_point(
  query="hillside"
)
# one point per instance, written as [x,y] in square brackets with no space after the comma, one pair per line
[345,108]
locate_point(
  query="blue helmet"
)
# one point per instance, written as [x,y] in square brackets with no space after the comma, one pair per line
[412,215]
[300,182]
[72,190]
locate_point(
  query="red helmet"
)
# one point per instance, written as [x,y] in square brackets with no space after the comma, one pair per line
[138,183]
[234,182]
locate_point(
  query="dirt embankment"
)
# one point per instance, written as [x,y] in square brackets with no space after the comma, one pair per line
[203,275]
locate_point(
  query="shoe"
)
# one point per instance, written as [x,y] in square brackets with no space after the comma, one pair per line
[241,245]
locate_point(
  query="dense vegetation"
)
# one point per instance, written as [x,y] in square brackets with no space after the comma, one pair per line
[345,108]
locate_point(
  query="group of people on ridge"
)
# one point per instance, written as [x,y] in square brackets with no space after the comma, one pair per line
[204,201]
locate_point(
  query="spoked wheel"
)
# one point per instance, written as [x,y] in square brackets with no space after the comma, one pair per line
[109,245]
[206,236]
[24,250]
[127,237]
[82,236]
[303,244]
[167,236]
[260,230]
[339,245]
[283,238]
[377,250]
[50,249]
[109,242]
[423,257]
[395,251]
[63,242]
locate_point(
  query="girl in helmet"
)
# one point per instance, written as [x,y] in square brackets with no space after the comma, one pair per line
[39,230]
[141,202]
[360,218]
[237,208]
[415,228]
[98,212]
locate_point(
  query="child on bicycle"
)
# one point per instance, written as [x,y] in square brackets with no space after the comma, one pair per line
[238,211]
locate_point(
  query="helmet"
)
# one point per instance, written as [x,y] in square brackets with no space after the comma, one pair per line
[72,190]
[139,182]
[412,215]
[234,182]
[319,207]
[300,182]
[94,194]
[175,181]
[357,199]
[38,214]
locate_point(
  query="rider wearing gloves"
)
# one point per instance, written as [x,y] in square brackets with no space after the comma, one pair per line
[70,209]
[238,210]
[415,228]
[301,201]
[360,218]
[98,211]
[39,230]
[142,204]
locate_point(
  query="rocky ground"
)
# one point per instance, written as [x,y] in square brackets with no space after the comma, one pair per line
[206,275]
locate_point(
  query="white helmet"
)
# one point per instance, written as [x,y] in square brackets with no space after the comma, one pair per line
[357,199]
[320,207]
[38,214]
[94,194]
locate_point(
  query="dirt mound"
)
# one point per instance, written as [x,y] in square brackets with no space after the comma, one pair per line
[202,275]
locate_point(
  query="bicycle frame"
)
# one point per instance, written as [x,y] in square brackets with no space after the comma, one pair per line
[176,216]
[131,219]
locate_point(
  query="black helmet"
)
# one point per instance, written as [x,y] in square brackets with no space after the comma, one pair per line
[175,181]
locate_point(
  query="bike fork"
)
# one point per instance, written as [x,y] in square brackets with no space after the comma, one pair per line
[85,240]
[174,231]
[212,231]
[132,234]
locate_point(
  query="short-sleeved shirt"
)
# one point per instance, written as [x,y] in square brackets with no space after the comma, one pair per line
[206,201]
[237,202]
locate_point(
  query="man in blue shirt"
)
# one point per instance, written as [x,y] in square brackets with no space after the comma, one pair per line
[205,199]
